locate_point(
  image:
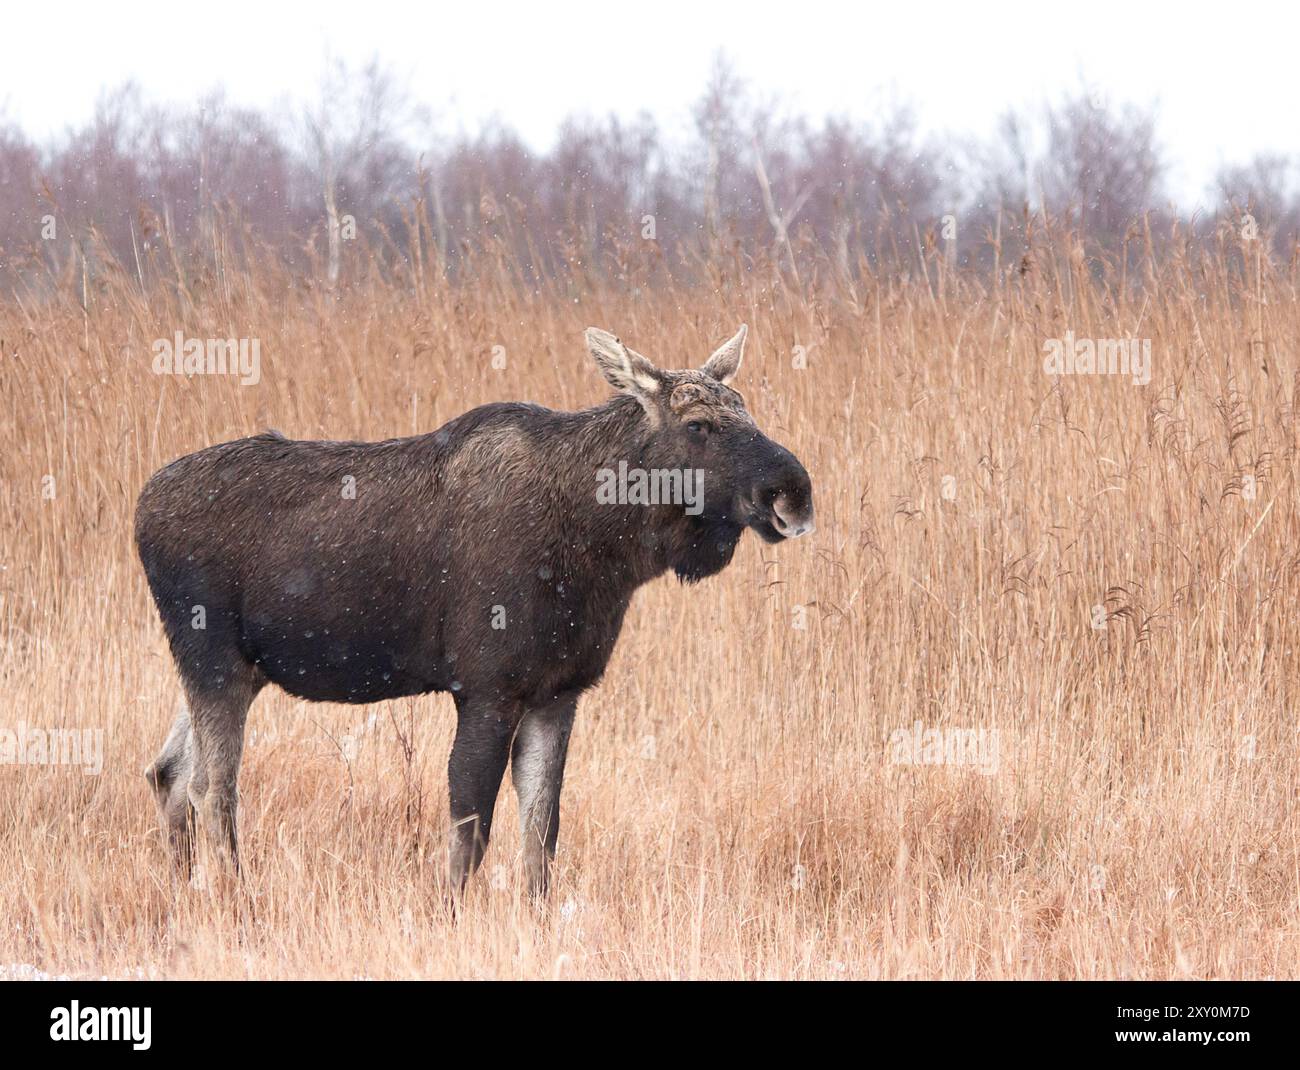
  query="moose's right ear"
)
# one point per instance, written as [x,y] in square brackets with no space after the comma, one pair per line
[725,361]
[622,368]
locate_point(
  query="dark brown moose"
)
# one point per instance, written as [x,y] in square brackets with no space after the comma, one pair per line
[493,558]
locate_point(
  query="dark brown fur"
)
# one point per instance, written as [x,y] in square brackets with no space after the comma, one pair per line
[491,520]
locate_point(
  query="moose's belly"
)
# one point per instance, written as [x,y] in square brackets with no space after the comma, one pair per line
[330,665]
[335,650]
[367,664]
[342,638]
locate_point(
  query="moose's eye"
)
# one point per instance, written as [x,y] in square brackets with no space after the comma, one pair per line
[698,429]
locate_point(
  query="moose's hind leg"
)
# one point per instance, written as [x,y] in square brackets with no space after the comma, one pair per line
[217,715]
[169,777]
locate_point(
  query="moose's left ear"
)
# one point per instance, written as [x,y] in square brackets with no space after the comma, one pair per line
[624,369]
[725,361]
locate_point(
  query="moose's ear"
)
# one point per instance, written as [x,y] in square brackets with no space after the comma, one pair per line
[725,361]
[622,368]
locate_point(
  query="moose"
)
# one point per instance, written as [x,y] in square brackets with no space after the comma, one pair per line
[474,560]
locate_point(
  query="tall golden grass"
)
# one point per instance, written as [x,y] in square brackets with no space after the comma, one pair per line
[733,805]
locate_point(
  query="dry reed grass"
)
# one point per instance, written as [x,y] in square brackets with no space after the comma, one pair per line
[731,808]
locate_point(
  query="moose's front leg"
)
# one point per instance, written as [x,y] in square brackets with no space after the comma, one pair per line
[478,761]
[537,767]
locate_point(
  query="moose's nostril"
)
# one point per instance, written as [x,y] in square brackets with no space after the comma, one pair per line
[792,522]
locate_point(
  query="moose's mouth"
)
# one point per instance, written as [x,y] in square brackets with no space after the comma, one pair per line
[756,518]
[765,530]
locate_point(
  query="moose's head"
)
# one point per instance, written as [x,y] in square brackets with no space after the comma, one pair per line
[695,421]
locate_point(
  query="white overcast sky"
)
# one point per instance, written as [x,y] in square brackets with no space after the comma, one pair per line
[1223,77]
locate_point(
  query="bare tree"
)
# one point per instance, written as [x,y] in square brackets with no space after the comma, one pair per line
[1101,170]
[1263,195]
[358,137]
